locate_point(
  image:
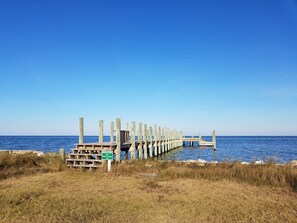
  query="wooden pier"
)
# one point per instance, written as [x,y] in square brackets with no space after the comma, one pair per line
[146,145]
[201,142]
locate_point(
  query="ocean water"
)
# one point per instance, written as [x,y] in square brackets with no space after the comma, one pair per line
[229,148]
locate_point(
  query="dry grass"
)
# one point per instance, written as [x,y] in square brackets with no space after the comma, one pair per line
[269,174]
[76,196]
[26,164]
[149,191]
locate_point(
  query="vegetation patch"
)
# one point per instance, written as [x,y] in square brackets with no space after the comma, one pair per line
[145,191]
[29,163]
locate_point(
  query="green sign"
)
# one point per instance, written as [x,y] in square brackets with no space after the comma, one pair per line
[107,155]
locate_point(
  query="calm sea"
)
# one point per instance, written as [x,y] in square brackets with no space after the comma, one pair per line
[229,148]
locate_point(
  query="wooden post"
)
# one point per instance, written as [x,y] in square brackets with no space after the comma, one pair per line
[159,141]
[151,142]
[145,142]
[81,131]
[111,131]
[166,139]
[170,136]
[176,139]
[62,154]
[101,131]
[132,148]
[118,140]
[214,139]
[171,140]
[163,144]
[140,153]
[156,141]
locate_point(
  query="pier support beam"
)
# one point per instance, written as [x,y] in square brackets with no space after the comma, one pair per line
[140,154]
[162,141]
[151,143]
[145,142]
[159,141]
[214,139]
[101,131]
[132,148]
[118,139]
[62,154]
[156,141]
[81,131]
[166,140]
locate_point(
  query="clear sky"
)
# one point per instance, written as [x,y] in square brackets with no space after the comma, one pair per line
[189,65]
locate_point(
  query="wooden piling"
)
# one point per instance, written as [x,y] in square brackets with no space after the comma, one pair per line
[171,140]
[151,142]
[140,153]
[214,139]
[62,154]
[145,142]
[162,141]
[159,141]
[156,141]
[132,147]
[118,140]
[101,131]
[166,140]
[81,131]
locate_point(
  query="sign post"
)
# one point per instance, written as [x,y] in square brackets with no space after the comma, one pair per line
[107,155]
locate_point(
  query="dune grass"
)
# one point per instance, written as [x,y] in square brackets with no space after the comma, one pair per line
[270,174]
[27,164]
[146,191]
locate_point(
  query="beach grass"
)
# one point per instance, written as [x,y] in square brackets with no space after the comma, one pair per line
[29,163]
[147,191]
[269,174]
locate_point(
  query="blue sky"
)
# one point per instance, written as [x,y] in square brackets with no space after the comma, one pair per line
[189,65]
